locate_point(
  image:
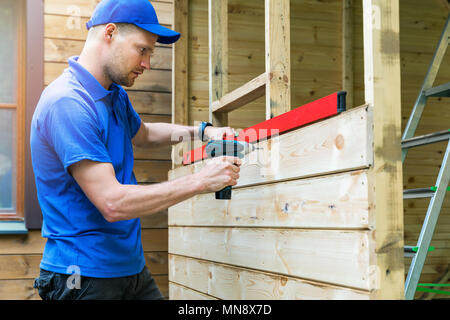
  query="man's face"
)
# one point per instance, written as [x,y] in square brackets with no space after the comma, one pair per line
[130,56]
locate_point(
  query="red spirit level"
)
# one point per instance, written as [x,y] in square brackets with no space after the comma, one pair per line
[306,114]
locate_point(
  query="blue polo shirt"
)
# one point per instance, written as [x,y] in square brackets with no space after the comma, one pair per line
[75,119]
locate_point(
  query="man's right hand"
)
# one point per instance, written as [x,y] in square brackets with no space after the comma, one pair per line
[219,173]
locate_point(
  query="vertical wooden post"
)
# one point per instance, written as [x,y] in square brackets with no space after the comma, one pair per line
[278,61]
[218,57]
[347,50]
[180,88]
[382,91]
[180,113]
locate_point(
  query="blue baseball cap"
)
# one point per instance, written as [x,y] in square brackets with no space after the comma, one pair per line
[138,12]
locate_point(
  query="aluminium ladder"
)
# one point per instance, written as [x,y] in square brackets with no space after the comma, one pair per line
[437,192]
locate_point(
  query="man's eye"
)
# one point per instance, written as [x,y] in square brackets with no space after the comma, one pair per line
[142,51]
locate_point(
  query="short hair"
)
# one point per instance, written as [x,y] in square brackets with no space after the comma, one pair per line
[123,28]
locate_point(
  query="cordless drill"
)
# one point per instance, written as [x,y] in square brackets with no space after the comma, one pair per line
[233,148]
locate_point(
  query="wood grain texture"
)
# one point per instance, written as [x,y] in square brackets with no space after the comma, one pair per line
[382,91]
[218,57]
[338,257]
[151,80]
[177,292]
[233,283]
[151,171]
[293,204]
[241,96]
[180,107]
[59,50]
[278,57]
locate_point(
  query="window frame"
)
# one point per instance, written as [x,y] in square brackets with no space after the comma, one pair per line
[29,88]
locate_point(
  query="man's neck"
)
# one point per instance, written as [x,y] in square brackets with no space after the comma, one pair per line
[89,60]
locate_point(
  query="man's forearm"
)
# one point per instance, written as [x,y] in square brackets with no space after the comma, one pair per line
[134,201]
[160,134]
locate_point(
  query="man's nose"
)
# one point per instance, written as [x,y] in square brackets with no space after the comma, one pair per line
[145,63]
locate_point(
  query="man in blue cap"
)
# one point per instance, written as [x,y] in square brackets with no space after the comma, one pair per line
[82,133]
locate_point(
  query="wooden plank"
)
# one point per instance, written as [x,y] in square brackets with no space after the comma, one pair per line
[68,27]
[177,292]
[332,256]
[340,143]
[152,80]
[60,50]
[278,60]
[241,96]
[31,243]
[18,289]
[162,153]
[218,57]
[382,91]
[157,262]
[84,8]
[155,221]
[150,102]
[162,281]
[297,203]
[154,239]
[180,102]
[19,266]
[347,50]
[150,171]
[232,283]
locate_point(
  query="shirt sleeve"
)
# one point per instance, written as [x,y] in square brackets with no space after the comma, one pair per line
[72,130]
[134,120]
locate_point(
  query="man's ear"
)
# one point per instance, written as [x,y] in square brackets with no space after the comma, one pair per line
[110,31]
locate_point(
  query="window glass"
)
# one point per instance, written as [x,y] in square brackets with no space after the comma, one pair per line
[7,160]
[8,51]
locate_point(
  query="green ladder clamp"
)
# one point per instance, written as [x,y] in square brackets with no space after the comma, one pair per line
[436,193]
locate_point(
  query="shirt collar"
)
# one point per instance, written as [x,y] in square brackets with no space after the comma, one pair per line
[88,81]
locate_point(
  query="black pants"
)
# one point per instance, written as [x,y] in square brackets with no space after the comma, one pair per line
[57,286]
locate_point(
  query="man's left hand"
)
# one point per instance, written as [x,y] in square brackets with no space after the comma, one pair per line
[219,133]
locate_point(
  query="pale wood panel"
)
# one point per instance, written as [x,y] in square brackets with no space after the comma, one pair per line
[298,203]
[59,50]
[232,283]
[177,292]
[382,80]
[338,257]
[180,63]
[151,80]
[324,147]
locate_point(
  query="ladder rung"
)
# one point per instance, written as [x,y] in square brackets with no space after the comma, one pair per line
[426,139]
[439,91]
[410,251]
[418,193]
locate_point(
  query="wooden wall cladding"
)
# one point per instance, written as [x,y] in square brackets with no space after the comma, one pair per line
[300,225]
[64,36]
